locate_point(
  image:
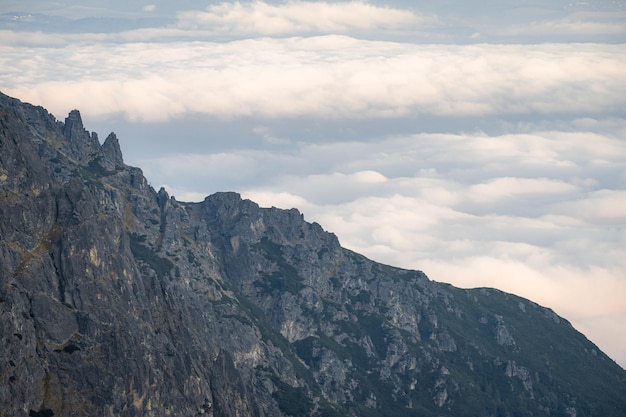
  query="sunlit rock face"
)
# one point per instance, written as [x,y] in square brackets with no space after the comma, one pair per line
[117,299]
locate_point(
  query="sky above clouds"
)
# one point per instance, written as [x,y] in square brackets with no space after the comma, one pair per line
[483,143]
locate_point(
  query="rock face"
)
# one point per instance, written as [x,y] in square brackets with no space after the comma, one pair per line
[118,300]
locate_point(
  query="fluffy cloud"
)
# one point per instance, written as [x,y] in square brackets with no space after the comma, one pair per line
[329,76]
[605,206]
[583,24]
[507,187]
[260,18]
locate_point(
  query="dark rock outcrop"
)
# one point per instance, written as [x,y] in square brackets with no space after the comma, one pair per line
[82,145]
[118,300]
[110,156]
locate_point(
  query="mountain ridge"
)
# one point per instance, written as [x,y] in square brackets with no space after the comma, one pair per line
[117,299]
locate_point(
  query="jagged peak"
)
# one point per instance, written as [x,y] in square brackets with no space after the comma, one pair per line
[110,153]
[162,198]
[74,128]
[82,146]
[224,195]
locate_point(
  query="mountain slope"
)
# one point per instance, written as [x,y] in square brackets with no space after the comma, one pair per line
[116,299]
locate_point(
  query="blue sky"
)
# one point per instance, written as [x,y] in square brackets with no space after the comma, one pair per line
[482,143]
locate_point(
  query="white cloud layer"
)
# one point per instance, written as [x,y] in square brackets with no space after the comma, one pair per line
[260,18]
[327,76]
[581,23]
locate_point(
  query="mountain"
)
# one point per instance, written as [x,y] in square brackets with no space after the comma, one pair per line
[118,300]
[21,21]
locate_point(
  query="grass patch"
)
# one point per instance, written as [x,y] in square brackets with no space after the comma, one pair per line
[159,265]
[292,401]
[286,278]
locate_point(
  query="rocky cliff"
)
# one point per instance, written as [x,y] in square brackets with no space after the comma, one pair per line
[118,300]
